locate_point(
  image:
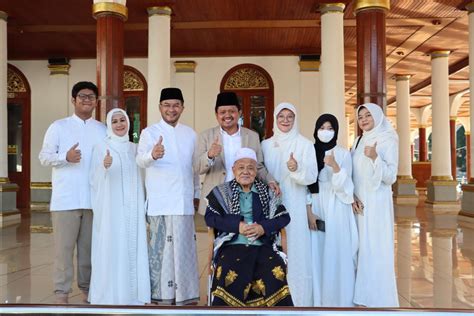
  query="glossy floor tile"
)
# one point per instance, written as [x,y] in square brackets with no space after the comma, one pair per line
[434,259]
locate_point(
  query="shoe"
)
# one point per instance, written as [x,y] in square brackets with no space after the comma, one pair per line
[61,299]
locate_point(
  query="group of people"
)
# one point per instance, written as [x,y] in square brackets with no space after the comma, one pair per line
[130,209]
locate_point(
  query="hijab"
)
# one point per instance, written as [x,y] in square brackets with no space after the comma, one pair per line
[383,129]
[120,143]
[321,147]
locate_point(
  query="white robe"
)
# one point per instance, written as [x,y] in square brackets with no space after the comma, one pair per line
[120,273]
[375,279]
[335,250]
[294,192]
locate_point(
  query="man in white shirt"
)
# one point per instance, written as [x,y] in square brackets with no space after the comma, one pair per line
[166,150]
[217,147]
[67,147]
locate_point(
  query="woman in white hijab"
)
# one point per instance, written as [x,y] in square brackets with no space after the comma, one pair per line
[375,164]
[291,159]
[120,273]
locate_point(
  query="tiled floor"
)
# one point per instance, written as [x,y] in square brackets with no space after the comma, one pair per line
[434,259]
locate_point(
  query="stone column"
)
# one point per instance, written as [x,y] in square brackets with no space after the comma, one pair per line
[159,52]
[441,188]
[405,187]
[185,80]
[309,96]
[423,146]
[332,65]
[442,267]
[371,52]
[452,142]
[404,260]
[467,203]
[9,213]
[110,18]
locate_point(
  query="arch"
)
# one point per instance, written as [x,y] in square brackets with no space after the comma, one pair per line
[254,87]
[19,134]
[135,100]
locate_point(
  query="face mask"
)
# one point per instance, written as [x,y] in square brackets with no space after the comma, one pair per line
[325,135]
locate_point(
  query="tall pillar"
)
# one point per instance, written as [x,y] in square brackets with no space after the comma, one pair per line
[310,108]
[371,52]
[9,213]
[332,64]
[185,80]
[442,268]
[452,142]
[405,187]
[467,203]
[110,18]
[468,154]
[159,54]
[423,146]
[441,188]
[404,260]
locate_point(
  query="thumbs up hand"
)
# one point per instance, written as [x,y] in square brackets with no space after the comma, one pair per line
[330,160]
[215,150]
[371,151]
[108,160]
[73,154]
[292,164]
[158,150]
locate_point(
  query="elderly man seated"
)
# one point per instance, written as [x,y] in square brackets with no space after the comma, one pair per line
[249,270]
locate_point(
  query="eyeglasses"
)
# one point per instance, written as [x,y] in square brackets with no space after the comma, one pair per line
[84,97]
[289,118]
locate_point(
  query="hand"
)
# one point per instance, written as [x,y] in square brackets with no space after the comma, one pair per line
[371,151]
[158,150]
[108,160]
[73,154]
[331,162]
[275,188]
[357,206]
[311,218]
[215,149]
[254,231]
[292,164]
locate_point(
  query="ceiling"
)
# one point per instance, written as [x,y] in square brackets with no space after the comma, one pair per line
[41,29]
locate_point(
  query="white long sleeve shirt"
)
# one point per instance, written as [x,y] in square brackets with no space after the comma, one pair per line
[170,181]
[70,181]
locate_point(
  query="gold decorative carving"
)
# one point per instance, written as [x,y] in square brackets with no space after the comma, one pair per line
[371,4]
[165,10]
[41,185]
[106,8]
[441,178]
[14,83]
[132,82]
[440,53]
[246,78]
[185,66]
[4,180]
[59,69]
[402,77]
[332,7]
[3,15]
[309,65]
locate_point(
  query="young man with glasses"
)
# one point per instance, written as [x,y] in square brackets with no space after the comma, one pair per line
[67,148]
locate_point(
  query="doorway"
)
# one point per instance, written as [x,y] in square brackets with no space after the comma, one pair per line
[19,135]
[254,88]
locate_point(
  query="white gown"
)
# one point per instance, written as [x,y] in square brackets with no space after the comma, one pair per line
[375,279]
[120,273]
[276,152]
[335,250]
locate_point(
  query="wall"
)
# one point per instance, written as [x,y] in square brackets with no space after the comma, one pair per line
[51,94]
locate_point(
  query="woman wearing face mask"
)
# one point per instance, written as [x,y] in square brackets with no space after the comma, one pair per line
[290,158]
[335,243]
[375,165]
[120,273]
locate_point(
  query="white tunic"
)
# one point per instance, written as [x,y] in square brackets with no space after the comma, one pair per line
[276,152]
[335,250]
[375,280]
[70,181]
[170,181]
[120,273]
